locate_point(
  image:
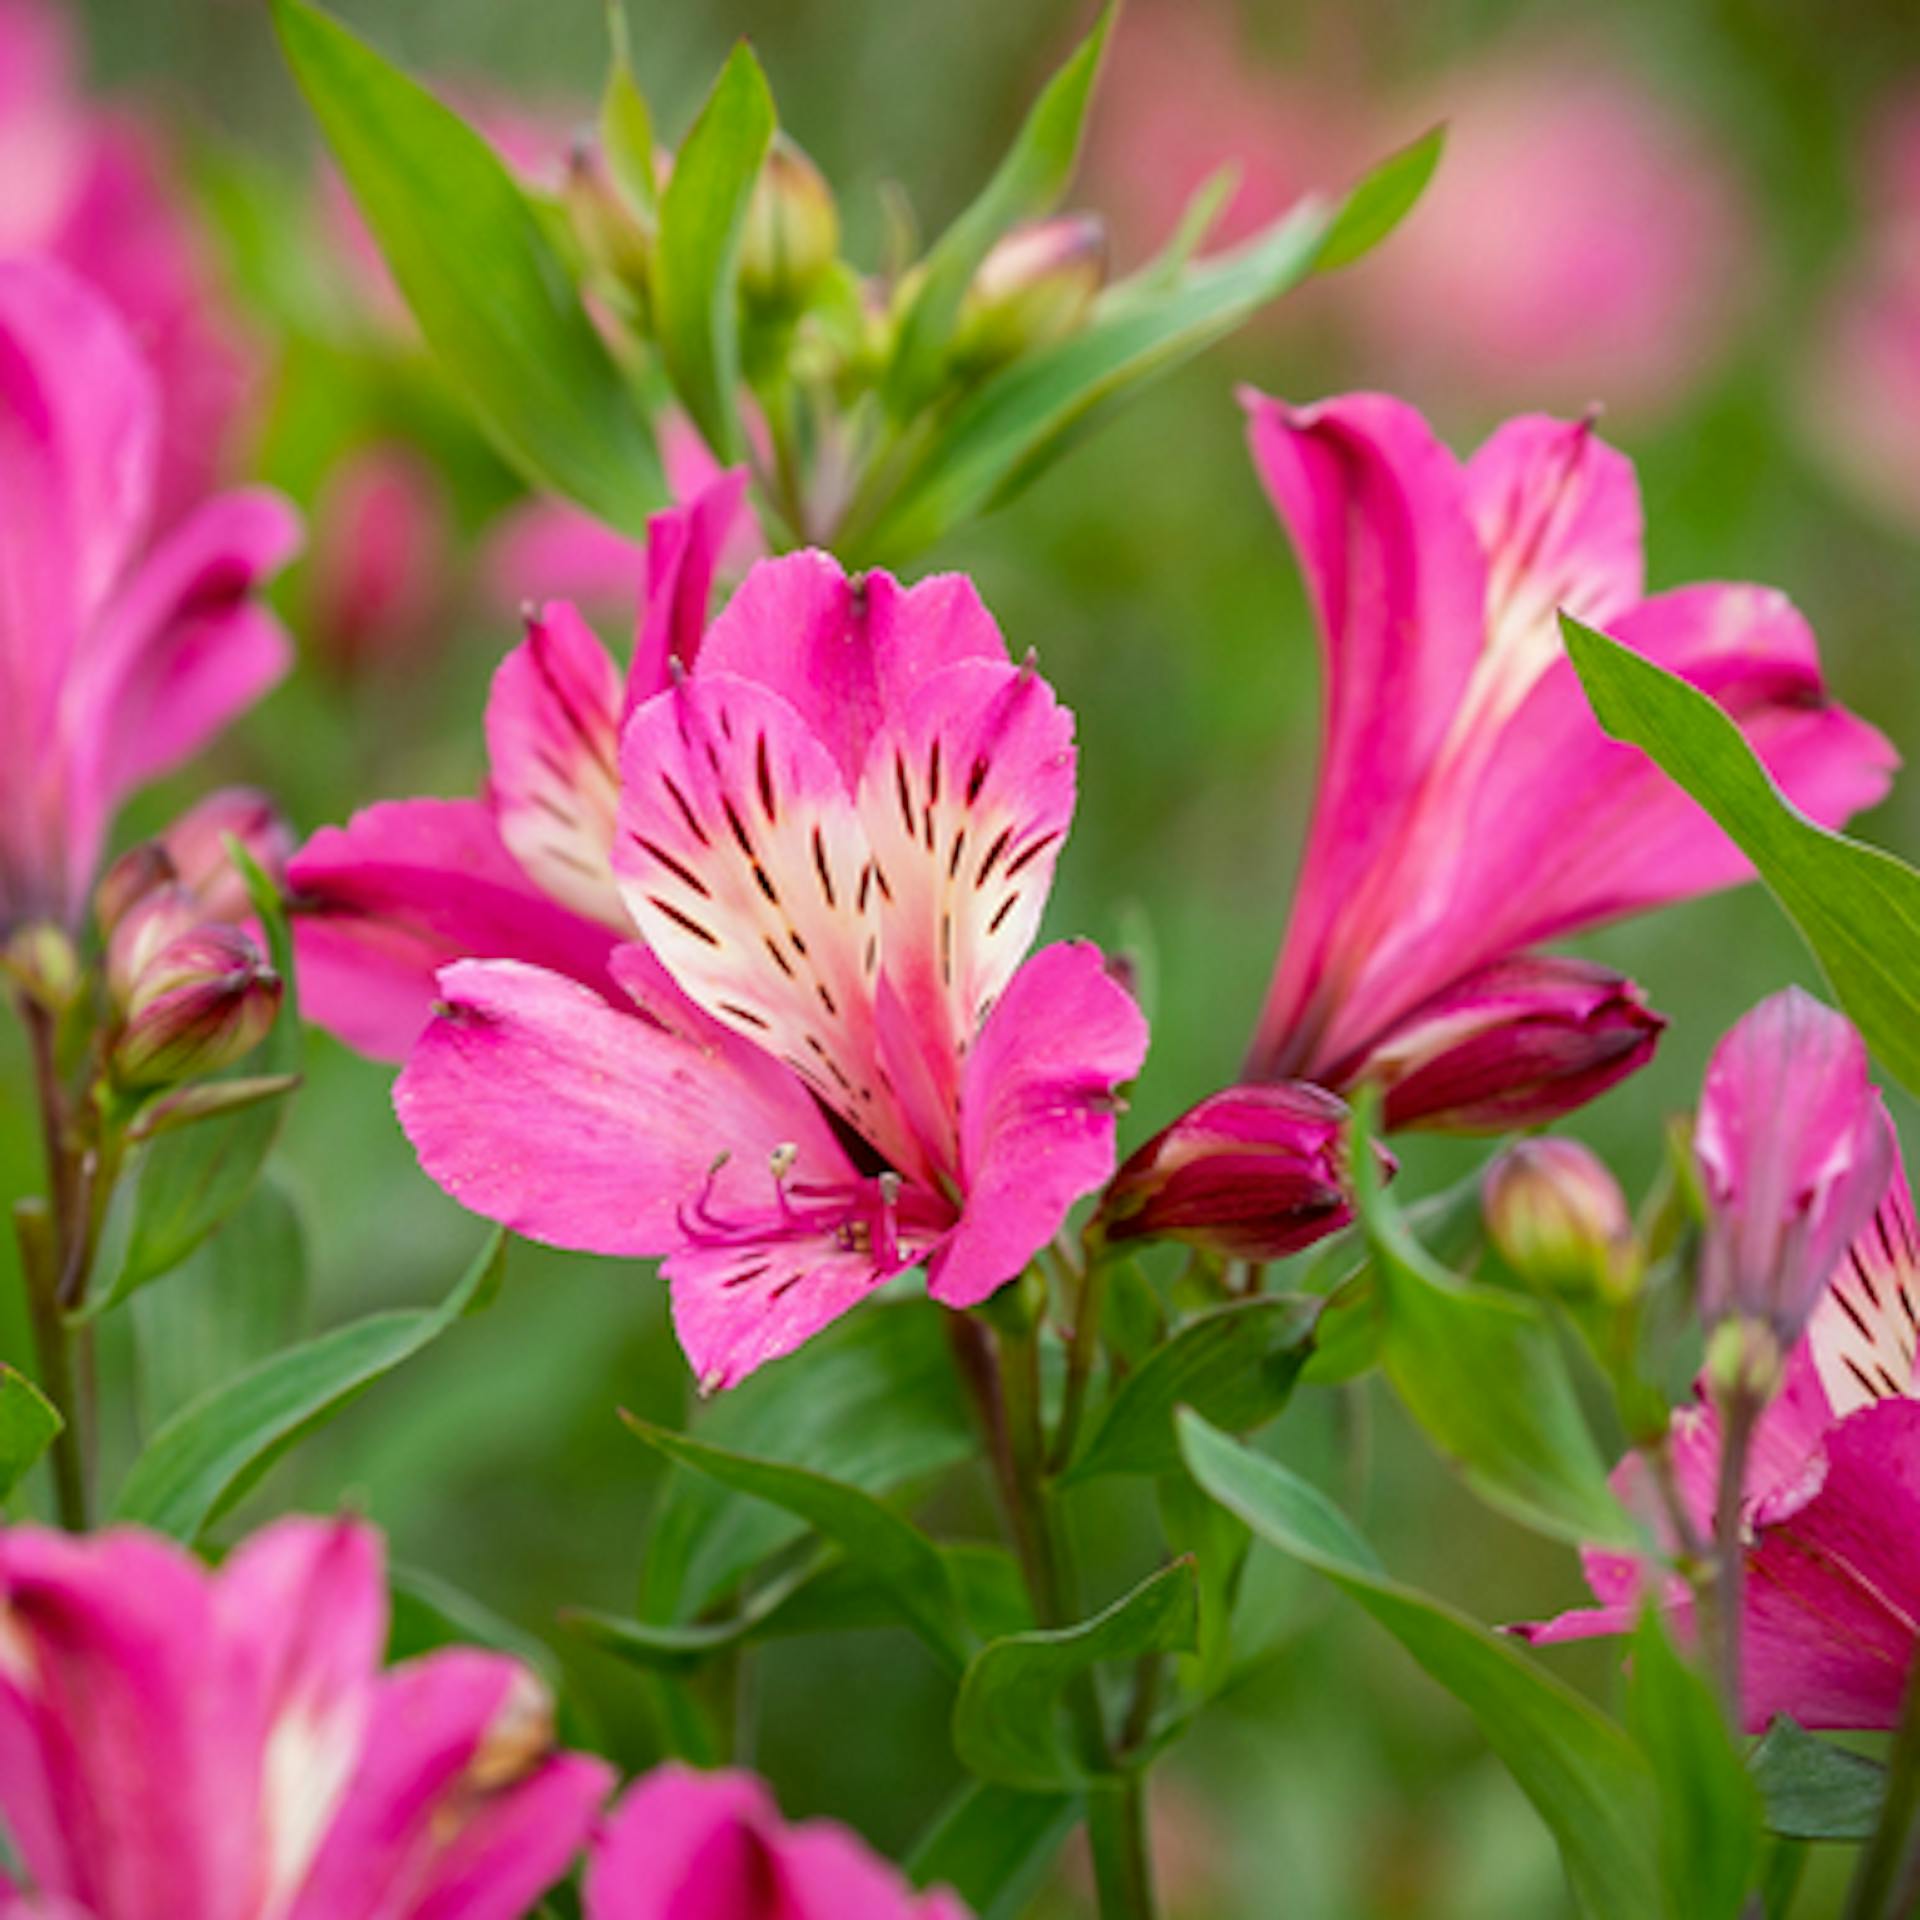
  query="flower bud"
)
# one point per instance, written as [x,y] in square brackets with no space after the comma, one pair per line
[1516,1044]
[381,550]
[40,960]
[197,1005]
[1559,1219]
[151,923]
[196,843]
[138,872]
[1035,287]
[610,232]
[1254,1172]
[792,231]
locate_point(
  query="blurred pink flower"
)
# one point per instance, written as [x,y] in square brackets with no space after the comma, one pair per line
[94,187]
[682,1844]
[1468,805]
[117,661]
[836,835]
[523,872]
[1832,1504]
[1794,1149]
[224,1746]
[1582,241]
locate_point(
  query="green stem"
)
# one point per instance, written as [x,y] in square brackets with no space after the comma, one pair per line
[1083,1346]
[1890,1866]
[40,1267]
[1739,1411]
[1117,1833]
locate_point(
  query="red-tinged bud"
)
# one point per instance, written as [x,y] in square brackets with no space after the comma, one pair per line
[197,1005]
[149,925]
[1253,1173]
[1034,288]
[792,231]
[138,872]
[1516,1044]
[1558,1218]
[196,843]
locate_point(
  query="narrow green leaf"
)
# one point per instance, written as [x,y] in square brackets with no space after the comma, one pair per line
[430,1612]
[1856,906]
[1009,1723]
[214,1449]
[1580,1771]
[1205,205]
[702,215]
[1709,1810]
[871,1535]
[28,1423]
[1006,433]
[874,1402]
[626,124]
[1237,1365]
[1483,1374]
[492,297]
[1380,202]
[1028,183]
[1812,1790]
[994,1846]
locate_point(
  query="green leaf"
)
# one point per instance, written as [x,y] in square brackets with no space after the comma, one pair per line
[1856,906]
[871,1535]
[1482,1373]
[430,1613]
[1380,202]
[1237,1365]
[1007,432]
[702,216]
[1580,1771]
[235,1299]
[28,1423]
[1709,1811]
[873,1402]
[1009,1722]
[214,1449]
[1812,1790]
[1028,183]
[180,1186]
[993,1846]
[626,124]
[492,297]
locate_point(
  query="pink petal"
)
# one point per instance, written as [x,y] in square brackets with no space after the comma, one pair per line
[685,549]
[405,888]
[846,655]
[1863,1334]
[1377,511]
[553,737]
[536,1103]
[683,1844]
[1037,1115]
[543,549]
[966,800]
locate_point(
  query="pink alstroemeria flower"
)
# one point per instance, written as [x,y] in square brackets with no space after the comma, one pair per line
[523,872]
[117,660]
[1832,1590]
[829,1064]
[94,187]
[1469,806]
[683,1844]
[225,1746]
[1794,1149]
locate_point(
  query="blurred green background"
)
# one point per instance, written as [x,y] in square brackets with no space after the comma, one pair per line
[1149,574]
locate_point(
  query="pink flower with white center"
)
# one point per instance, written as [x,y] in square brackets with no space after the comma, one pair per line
[1469,807]
[832,1061]
[94,187]
[119,659]
[1832,1506]
[682,1844]
[225,1746]
[524,871]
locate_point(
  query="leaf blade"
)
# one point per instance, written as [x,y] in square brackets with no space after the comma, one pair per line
[29,1424]
[1380,201]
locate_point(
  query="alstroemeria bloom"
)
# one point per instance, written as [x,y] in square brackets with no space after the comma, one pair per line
[1832,1511]
[225,1746]
[117,660]
[523,872]
[1469,806]
[684,1844]
[830,1063]
[1794,1149]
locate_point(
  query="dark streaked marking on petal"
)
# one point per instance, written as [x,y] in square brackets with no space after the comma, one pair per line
[684,874]
[685,920]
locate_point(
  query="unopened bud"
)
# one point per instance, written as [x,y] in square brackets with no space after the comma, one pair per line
[196,843]
[792,231]
[149,924]
[611,234]
[138,872]
[1559,1219]
[1034,288]
[1744,1363]
[39,959]
[196,1006]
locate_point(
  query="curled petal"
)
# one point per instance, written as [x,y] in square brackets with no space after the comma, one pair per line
[685,549]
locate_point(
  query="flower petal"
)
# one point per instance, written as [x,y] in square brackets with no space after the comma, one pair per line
[681,1843]
[405,888]
[553,743]
[1863,1333]
[685,549]
[1037,1115]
